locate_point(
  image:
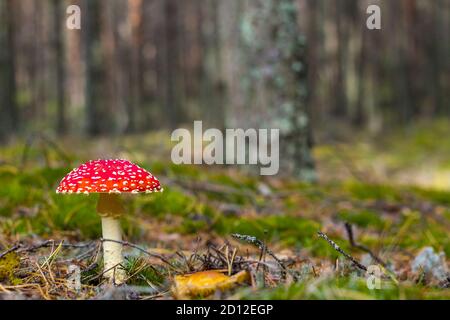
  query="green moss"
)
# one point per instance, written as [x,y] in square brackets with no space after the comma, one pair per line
[92,276]
[28,188]
[342,288]
[180,170]
[8,265]
[30,207]
[436,196]
[141,273]
[363,218]
[236,198]
[171,201]
[374,192]
[70,213]
[288,230]
[190,226]
[426,233]
[240,182]
[311,191]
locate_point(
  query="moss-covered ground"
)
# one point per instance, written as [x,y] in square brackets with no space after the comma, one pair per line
[393,192]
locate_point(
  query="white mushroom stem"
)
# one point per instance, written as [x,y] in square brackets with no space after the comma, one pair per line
[112,251]
[110,208]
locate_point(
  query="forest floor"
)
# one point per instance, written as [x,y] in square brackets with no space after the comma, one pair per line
[383,201]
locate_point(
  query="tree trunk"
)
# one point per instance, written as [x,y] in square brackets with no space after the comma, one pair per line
[135,20]
[90,31]
[61,125]
[173,73]
[340,88]
[10,113]
[438,61]
[213,86]
[359,119]
[274,52]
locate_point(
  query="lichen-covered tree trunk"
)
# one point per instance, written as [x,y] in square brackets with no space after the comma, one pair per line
[273,83]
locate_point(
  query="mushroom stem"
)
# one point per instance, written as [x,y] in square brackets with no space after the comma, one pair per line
[112,251]
[110,208]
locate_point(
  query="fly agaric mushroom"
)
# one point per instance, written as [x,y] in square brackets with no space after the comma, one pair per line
[109,178]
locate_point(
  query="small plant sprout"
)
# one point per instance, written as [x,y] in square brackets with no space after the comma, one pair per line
[110,178]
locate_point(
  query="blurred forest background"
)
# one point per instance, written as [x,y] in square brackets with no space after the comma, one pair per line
[309,67]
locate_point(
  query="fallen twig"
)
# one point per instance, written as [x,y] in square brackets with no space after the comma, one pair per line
[12,249]
[338,249]
[132,245]
[262,246]
[51,243]
[351,239]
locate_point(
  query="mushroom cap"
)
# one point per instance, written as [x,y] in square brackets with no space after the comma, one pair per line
[109,176]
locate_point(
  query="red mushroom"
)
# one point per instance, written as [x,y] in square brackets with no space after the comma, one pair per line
[109,178]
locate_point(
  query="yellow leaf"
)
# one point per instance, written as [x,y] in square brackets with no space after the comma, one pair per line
[205,283]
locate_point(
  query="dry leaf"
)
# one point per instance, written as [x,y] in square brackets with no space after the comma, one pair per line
[205,283]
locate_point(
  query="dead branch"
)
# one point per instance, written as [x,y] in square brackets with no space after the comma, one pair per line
[132,245]
[12,249]
[351,239]
[338,249]
[260,244]
[264,249]
[51,243]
